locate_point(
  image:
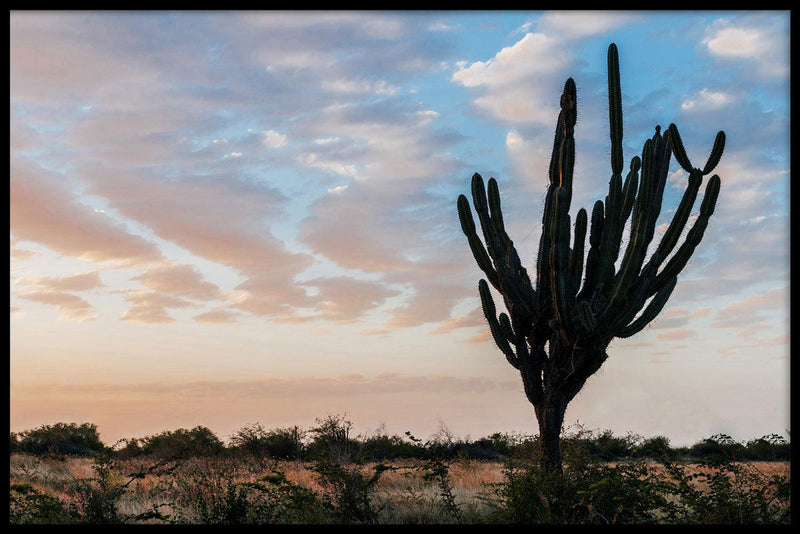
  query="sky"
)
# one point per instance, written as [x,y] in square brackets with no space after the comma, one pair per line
[227,218]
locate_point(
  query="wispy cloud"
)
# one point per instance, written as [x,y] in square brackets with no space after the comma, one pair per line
[46,211]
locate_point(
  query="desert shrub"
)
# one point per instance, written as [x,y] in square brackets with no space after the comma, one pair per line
[199,441]
[383,447]
[331,440]
[67,439]
[97,500]
[719,491]
[771,447]
[657,448]
[28,506]
[278,443]
[719,448]
[610,447]
[213,493]
[588,492]
[513,444]
[348,492]
[125,449]
[726,492]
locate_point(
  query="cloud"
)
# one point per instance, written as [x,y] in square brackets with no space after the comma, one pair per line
[574,24]
[707,100]
[752,311]
[472,319]
[534,60]
[44,210]
[76,282]
[217,316]
[59,291]
[761,41]
[346,299]
[350,385]
[359,86]
[677,334]
[273,139]
[539,59]
[150,307]
[72,306]
[180,281]
[173,168]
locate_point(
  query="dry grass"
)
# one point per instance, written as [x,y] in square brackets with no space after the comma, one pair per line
[402,494]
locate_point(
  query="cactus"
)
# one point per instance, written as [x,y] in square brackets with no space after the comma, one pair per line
[556,332]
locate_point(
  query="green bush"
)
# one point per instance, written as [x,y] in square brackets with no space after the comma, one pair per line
[771,447]
[641,492]
[656,448]
[348,493]
[210,494]
[728,492]
[331,440]
[67,439]
[279,443]
[719,448]
[29,506]
[199,441]
[383,447]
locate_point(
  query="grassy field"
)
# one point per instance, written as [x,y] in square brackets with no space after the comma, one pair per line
[249,490]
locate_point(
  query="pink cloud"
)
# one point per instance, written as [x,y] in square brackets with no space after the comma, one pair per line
[76,282]
[217,218]
[68,304]
[345,299]
[677,334]
[179,280]
[45,211]
[151,307]
[218,316]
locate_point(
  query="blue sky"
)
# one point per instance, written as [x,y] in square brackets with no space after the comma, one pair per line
[221,218]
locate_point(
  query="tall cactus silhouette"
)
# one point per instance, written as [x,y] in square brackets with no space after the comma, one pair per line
[558,326]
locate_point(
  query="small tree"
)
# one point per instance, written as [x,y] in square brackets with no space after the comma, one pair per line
[199,441]
[557,330]
[61,438]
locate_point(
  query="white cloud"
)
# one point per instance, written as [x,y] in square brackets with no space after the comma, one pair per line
[342,85]
[707,100]
[761,40]
[573,24]
[273,139]
[326,140]
[737,42]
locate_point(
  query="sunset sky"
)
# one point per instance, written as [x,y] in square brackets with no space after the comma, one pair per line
[223,218]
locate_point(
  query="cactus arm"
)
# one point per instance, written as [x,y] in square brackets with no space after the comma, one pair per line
[615,109]
[716,153]
[489,310]
[563,298]
[475,244]
[693,237]
[661,157]
[629,190]
[678,149]
[593,259]
[676,145]
[637,245]
[576,254]
[670,238]
[651,311]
